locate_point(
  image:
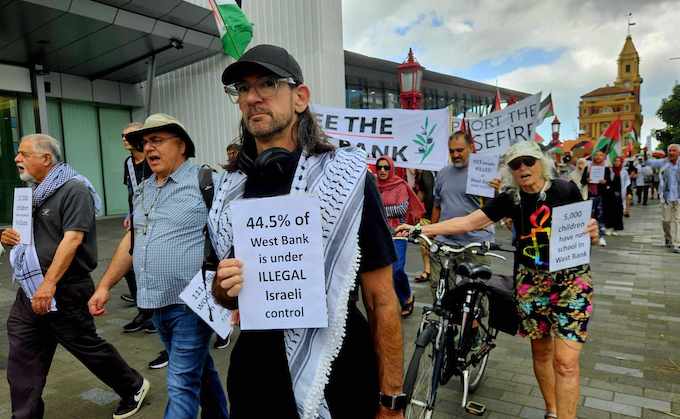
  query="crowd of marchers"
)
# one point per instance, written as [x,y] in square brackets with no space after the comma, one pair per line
[352,368]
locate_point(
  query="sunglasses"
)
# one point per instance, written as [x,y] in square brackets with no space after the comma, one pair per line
[528,161]
[385,168]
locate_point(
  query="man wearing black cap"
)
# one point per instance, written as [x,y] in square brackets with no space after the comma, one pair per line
[169,217]
[352,368]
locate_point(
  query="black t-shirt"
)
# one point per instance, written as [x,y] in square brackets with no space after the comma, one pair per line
[70,208]
[532,219]
[259,383]
[142,172]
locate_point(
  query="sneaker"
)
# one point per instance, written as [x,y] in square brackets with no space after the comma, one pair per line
[615,233]
[222,343]
[602,242]
[149,327]
[128,298]
[160,362]
[130,405]
[608,232]
[136,324]
[676,249]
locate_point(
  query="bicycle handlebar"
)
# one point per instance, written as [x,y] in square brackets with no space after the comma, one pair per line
[446,249]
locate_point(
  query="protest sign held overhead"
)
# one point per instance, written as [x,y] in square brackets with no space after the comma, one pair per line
[279,241]
[497,131]
[412,138]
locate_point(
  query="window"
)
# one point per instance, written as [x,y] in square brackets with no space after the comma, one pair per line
[353,97]
[627,68]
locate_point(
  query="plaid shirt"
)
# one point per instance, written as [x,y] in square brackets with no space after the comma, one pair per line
[169,239]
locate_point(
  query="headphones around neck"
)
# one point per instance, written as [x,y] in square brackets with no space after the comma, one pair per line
[273,161]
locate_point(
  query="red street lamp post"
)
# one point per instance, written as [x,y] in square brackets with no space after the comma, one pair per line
[410,78]
[555,131]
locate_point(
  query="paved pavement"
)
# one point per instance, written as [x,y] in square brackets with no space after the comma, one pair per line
[630,367]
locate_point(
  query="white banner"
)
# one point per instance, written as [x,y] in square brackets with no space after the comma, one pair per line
[412,138]
[497,131]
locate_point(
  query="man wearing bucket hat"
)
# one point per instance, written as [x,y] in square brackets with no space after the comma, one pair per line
[352,368]
[169,217]
[554,316]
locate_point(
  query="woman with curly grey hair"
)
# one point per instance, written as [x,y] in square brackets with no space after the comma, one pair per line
[554,307]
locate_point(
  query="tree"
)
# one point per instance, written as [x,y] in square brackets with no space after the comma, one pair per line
[669,112]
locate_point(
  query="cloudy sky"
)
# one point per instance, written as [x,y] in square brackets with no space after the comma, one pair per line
[567,47]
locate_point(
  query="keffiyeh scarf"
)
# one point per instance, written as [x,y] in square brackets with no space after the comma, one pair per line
[337,180]
[23,257]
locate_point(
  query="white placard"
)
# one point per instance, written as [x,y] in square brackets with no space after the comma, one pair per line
[482,169]
[569,241]
[596,174]
[279,242]
[22,215]
[199,298]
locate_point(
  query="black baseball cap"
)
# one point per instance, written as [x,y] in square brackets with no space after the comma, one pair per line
[271,58]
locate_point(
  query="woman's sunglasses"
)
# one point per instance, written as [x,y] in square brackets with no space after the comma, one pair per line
[528,161]
[385,168]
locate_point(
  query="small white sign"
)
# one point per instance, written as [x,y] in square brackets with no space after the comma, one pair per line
[482,169]
[279,242]
[198,296]
[569,241]
[596,174]
[22,215]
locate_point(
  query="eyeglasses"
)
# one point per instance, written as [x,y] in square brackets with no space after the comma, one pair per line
[26,154]
[264,87]
[154,142]
[385,168]
[528,161]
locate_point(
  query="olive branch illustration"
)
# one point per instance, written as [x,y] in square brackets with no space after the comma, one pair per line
[425,140]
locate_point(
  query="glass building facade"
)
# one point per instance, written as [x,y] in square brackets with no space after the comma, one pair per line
[373,83]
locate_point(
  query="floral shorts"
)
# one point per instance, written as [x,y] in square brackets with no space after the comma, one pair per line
[554,304]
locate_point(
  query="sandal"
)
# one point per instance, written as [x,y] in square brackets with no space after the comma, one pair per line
[550,415]
[407,309]
[424,277]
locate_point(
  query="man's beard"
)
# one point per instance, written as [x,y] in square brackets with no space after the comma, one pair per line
[277,125]
[26,177]
[459,164]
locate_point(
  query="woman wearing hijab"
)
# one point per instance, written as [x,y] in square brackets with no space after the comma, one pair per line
[614,199]
[401,206]
[576,176]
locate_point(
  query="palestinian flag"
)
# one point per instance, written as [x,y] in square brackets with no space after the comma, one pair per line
[235,29]
[545,110]
[629,142]
[610,142]
[497,102]
[538,138]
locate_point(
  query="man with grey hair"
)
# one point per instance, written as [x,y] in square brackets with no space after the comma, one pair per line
[450,197]
[669,193]
[54,274]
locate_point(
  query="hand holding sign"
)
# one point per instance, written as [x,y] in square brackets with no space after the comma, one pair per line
[279,241]
[569,239]
[596,174]
[482,170]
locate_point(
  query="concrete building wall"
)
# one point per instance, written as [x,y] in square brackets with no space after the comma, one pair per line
[311,30]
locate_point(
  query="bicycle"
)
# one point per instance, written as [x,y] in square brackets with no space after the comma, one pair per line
[454,337]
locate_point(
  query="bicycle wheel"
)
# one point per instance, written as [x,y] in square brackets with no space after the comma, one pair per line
[476,370]
[422,376]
